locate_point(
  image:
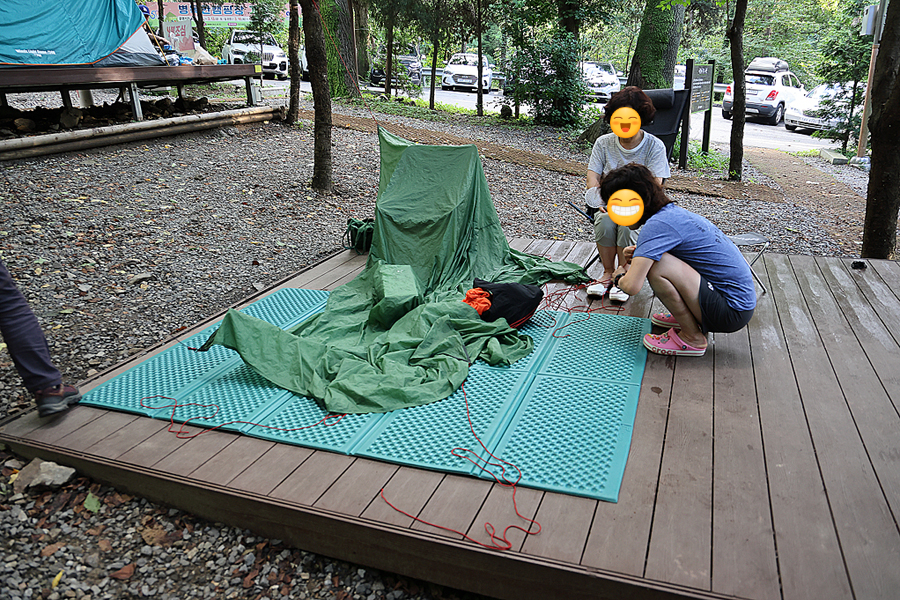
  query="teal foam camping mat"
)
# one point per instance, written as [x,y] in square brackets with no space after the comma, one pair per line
[178,372]
[439,435]
[563,415]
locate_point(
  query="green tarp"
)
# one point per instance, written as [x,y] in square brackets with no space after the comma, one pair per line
[399,334]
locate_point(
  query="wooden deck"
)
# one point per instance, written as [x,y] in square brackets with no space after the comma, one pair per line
[769,468]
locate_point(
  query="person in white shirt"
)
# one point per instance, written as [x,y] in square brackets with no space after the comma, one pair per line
[628,143]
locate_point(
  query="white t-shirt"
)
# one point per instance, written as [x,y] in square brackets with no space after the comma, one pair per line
[608,154]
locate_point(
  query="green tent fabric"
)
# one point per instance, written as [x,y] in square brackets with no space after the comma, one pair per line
[399,335]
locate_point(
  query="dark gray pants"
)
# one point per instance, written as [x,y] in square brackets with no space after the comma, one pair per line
[23,336]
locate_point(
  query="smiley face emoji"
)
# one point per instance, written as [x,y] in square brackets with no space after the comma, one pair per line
[625,207]
[625,122]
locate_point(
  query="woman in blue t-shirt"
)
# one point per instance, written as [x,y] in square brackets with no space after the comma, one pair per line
[694,269]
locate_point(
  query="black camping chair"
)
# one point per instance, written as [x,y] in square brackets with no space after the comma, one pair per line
[670,106]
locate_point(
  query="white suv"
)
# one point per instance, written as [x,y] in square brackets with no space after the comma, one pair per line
[462,72]
[770,87]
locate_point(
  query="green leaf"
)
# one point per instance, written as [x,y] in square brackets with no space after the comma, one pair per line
[92,503]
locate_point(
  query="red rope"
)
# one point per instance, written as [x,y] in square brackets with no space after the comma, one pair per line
[183,434]
[497,542]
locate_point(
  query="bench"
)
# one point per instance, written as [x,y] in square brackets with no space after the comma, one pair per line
[64,79]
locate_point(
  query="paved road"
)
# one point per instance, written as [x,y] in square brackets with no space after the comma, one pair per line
[756,134]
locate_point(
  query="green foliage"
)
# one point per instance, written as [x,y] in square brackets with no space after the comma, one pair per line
[547,78]
[216,38]
[445,113]
[266,16]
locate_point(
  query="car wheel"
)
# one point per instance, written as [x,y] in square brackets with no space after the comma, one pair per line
[444,87]
[790,127]
[726,114]
[779,114]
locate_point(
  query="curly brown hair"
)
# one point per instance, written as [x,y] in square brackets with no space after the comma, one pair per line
[640,180]
[634,97]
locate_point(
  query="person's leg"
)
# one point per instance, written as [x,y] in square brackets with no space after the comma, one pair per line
[625,236]
[605,236]
[677,285]
[24,338]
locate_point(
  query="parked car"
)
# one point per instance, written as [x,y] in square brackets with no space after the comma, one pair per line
[602,80]
[462,72]
[243,47]
[806,111]
[680,76]
[411,61]
[770,88]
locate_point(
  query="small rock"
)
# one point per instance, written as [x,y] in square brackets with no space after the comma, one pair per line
[39,473]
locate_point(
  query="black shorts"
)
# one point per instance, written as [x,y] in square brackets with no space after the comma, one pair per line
[717,315]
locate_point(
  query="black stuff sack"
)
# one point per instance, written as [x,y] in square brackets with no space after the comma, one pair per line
[516,302]
[359,234]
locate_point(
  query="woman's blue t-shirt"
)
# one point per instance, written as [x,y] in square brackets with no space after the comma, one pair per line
[699,243]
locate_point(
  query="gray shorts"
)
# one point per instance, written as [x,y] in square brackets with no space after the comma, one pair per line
[607,234]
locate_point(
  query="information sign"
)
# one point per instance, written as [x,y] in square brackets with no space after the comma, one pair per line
[702,87]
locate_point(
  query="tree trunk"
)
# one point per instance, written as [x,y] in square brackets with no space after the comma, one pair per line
[653,64]
[389,57]
[362,38]
[567,12]
[479,102]
[160,7]
[201,25]
[883,197]
[436,42]
[345,41]
[735,35]
[294,57]
[318,77]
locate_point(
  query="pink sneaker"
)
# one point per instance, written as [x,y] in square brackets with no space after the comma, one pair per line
[670,344]
[664,319]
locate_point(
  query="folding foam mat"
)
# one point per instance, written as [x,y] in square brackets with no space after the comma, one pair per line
[562,415]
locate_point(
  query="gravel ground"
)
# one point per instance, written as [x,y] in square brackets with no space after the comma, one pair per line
[119,248]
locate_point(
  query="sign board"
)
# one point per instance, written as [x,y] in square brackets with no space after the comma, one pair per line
[702,87]
[226,14]
[179,34]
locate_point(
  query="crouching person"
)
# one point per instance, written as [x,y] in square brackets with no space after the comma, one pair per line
[694,269]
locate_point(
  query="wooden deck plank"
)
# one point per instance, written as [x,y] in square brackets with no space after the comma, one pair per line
[565,523]
[270,469]
[189,456]
[867,531]
[96,430]
[679,550]
[409,489]
[128,437]
[357,487]
[54,429]
[320,276]
[155,448]
[310,480]
[879,423]
[453,505]
[234,459]
[499,514]
[870,406]
[24,424]
[620,532]
[743,559]
[808,552]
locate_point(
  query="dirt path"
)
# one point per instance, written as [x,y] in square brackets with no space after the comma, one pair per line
[841,208]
